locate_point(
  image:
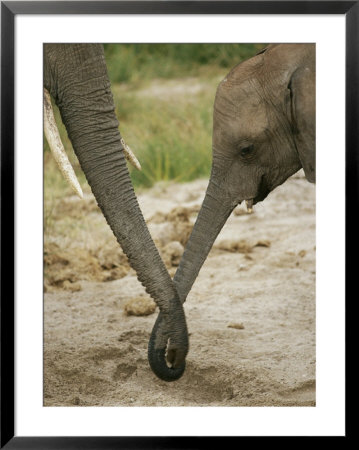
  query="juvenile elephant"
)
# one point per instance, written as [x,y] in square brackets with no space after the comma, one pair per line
[263,132]
[76,77]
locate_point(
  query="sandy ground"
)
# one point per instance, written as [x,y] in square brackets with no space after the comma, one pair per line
[250,314]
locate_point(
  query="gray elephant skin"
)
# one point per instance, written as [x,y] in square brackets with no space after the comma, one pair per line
[77,79]
[263,132]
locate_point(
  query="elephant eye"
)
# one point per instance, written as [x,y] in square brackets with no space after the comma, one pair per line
[246,150]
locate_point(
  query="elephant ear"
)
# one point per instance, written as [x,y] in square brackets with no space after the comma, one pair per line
[302,93]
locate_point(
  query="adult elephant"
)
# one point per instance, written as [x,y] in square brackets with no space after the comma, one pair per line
[263,132]
[76,77]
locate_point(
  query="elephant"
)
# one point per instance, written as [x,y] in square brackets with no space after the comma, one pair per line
[263,132]
[76,77]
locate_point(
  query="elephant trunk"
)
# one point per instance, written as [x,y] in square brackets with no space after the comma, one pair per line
[215,210]
[81,88]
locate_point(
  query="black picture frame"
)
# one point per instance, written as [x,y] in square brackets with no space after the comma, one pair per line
[9,10]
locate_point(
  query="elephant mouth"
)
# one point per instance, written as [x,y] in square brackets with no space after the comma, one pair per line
[260,197]
[263,191]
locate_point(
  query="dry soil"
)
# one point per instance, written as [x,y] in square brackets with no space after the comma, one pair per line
[250,314]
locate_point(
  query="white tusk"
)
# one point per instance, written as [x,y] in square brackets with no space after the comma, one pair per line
[249,204]
[53,138]
[130,156]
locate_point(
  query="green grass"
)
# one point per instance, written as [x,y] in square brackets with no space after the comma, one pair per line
[169,128]
[164,96]
[136,62]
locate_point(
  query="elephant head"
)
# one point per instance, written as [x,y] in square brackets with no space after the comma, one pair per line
[263,132]
[76,77]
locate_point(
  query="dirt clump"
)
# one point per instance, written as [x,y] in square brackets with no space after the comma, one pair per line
[63,268]
[72,287]
[75,207]
[171,254]
[140,306]
[178,224]
[234,246]
[240,246]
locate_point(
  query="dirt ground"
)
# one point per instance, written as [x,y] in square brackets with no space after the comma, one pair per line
[250,314]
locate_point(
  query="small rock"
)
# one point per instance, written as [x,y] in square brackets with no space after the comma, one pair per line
[263,243]
[76,401]
[115,274]
[237,326]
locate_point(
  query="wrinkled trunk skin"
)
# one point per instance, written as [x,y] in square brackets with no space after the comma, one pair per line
[216,208]
[76,76]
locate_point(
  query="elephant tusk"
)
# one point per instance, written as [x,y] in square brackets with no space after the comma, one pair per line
[249,204]
[130,156]
[53,138]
